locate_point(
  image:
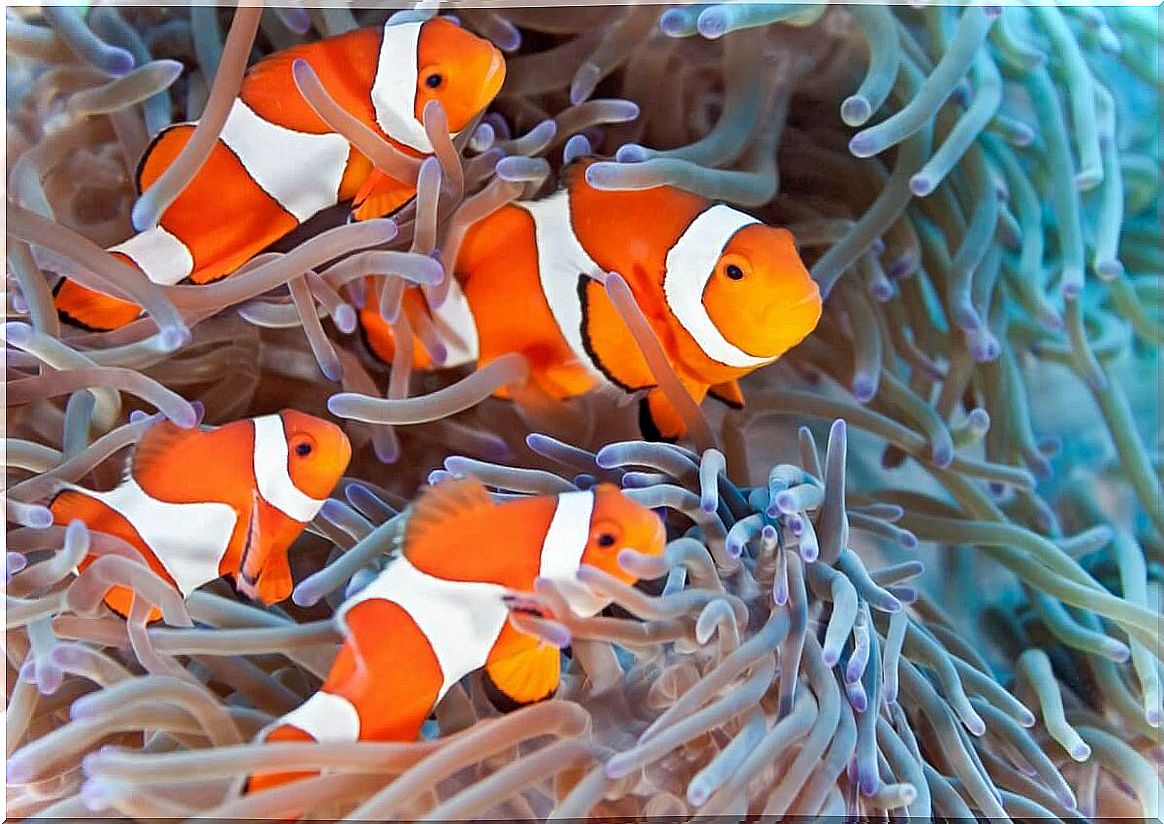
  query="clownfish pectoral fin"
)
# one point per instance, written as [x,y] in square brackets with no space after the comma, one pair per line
[658,417]
[380,195]
[729,393]
[93,311]
[430,516]
[659,420]
[523,677]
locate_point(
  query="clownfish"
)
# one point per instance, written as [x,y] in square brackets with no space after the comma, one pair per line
[277,163]
[439,610]
[199,504]
[724,293]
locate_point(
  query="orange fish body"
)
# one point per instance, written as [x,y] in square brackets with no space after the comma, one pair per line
[278,163]
[724,293]
[438,612]
[203,503]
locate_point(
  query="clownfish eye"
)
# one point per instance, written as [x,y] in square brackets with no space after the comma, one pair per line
[734,272]
[433,81]
[302,445]
[606,539]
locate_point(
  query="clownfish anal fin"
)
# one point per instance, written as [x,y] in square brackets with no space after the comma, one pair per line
[452,499]
[729,393]
[379,196]
[523,677]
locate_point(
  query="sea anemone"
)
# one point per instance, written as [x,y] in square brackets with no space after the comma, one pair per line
[955,610]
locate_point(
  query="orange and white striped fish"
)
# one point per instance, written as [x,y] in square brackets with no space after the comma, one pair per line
[724,293]
[199,504]
[277,163]
[438,612]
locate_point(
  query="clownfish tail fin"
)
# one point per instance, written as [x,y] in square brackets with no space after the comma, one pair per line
[90,310]
[76,504]
[70,505]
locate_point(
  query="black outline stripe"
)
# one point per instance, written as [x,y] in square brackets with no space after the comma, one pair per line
[648,426]
[69,319]
[219,141]
[587,344]
[149,150]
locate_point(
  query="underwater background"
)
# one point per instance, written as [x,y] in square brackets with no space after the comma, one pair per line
[918,573]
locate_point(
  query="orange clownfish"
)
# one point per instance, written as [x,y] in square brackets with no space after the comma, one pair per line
[438,612]
[277,163]
[199,504]
[724,293]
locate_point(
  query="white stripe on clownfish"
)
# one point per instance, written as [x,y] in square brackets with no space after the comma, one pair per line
[300,171]
[326,717]
[188,539]
[562,550]
[303,176]
[394,89]
[161,255]
[272,475]
[454,320]
[690,264]
[462,620]
[562,260]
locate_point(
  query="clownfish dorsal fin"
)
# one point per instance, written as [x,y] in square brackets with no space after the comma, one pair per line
[156,445]
[441,503]
[729,393]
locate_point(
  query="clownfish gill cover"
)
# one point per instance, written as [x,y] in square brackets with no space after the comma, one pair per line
[459,411]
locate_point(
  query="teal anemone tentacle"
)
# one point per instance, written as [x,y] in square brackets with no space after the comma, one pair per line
[1060,173]
[1081,97]
[1110,207]
[716,21]
[881,35]
[983,108]
[972,29]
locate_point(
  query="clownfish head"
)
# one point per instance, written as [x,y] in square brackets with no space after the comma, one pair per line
[458,69]
[298,461]
[438,61]
[616,523]
[740,289]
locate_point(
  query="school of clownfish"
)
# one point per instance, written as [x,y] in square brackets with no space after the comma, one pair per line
[724,294]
